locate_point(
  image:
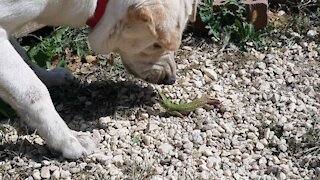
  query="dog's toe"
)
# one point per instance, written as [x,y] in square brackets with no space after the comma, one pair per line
[79,145]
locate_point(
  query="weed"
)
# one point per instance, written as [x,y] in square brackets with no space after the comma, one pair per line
[62,39]
[136,140]
[139,170]
[229,21]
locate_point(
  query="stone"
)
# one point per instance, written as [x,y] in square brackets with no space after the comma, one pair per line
[275,98]
[75,170]
[312,33]
[165,148]
[45,172]
[158,170]
[36,175]
[205,175]
[56,174]
[282,147]
[217,88]
[227,127]
[65,174]
[144,115]
[215,133]
[259,146]
[210,73]
[214,162]
[118,160]
[146,140]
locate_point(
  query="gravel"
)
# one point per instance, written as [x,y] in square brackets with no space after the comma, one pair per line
[270,99]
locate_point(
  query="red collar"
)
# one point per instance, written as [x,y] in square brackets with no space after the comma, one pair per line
[100,9]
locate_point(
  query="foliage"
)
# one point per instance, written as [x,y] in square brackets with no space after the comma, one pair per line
[229,20]
[63,38]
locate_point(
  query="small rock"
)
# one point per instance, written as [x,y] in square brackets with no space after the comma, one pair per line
[211,73]
[262,161]
[45,172]
[114,171]
[213,162]
[282,176]
[227,127]
[146,140]
[152,126]
[312,33]
[56,174]
[227,173]
[182,156]
[215,133]
[282,147]
[275,98]
[165,148]
[288,127]
[205,175]
[158,170]
[188,145]
[36,175]
[188,48]
[264,86]
[144,115]
[65,174]
[217,87]
[206,151]
[37,165]
[197,138]
[75,170]
[118,160]
[103,121]
[259,146]
[295,34]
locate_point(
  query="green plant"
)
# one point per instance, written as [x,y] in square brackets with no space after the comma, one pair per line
[230,21]
[62,38]
[136,140]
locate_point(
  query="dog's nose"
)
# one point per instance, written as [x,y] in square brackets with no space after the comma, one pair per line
[169,81]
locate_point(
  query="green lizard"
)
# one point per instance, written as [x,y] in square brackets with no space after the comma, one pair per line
[186,108]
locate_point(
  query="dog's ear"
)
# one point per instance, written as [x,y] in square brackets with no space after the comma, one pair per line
[143,15]
[167,36]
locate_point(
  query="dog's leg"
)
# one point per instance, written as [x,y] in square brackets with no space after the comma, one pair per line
[56,77]
[21,88]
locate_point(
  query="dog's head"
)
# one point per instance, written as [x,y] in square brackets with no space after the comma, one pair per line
[146,36]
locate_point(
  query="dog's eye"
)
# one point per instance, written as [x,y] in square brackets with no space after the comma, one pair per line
[156,46]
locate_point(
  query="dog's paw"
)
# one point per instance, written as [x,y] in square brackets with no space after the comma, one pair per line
[57,77]
[79,144]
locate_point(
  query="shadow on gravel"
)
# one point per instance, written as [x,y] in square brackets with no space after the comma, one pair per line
[24,148]
[84,102]
[100,99]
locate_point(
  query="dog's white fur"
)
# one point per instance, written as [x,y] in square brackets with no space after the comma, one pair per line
[144,32]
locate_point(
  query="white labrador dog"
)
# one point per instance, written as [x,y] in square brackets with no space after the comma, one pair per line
[145,33]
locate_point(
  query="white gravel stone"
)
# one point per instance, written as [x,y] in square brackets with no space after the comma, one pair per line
[227,127]
[312,33]
[165,148]
[36,175]
[259,146]
[56,174]
[118,160]
[65,174]
[217,88]
[205,175]
[45,172]
[211,73]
